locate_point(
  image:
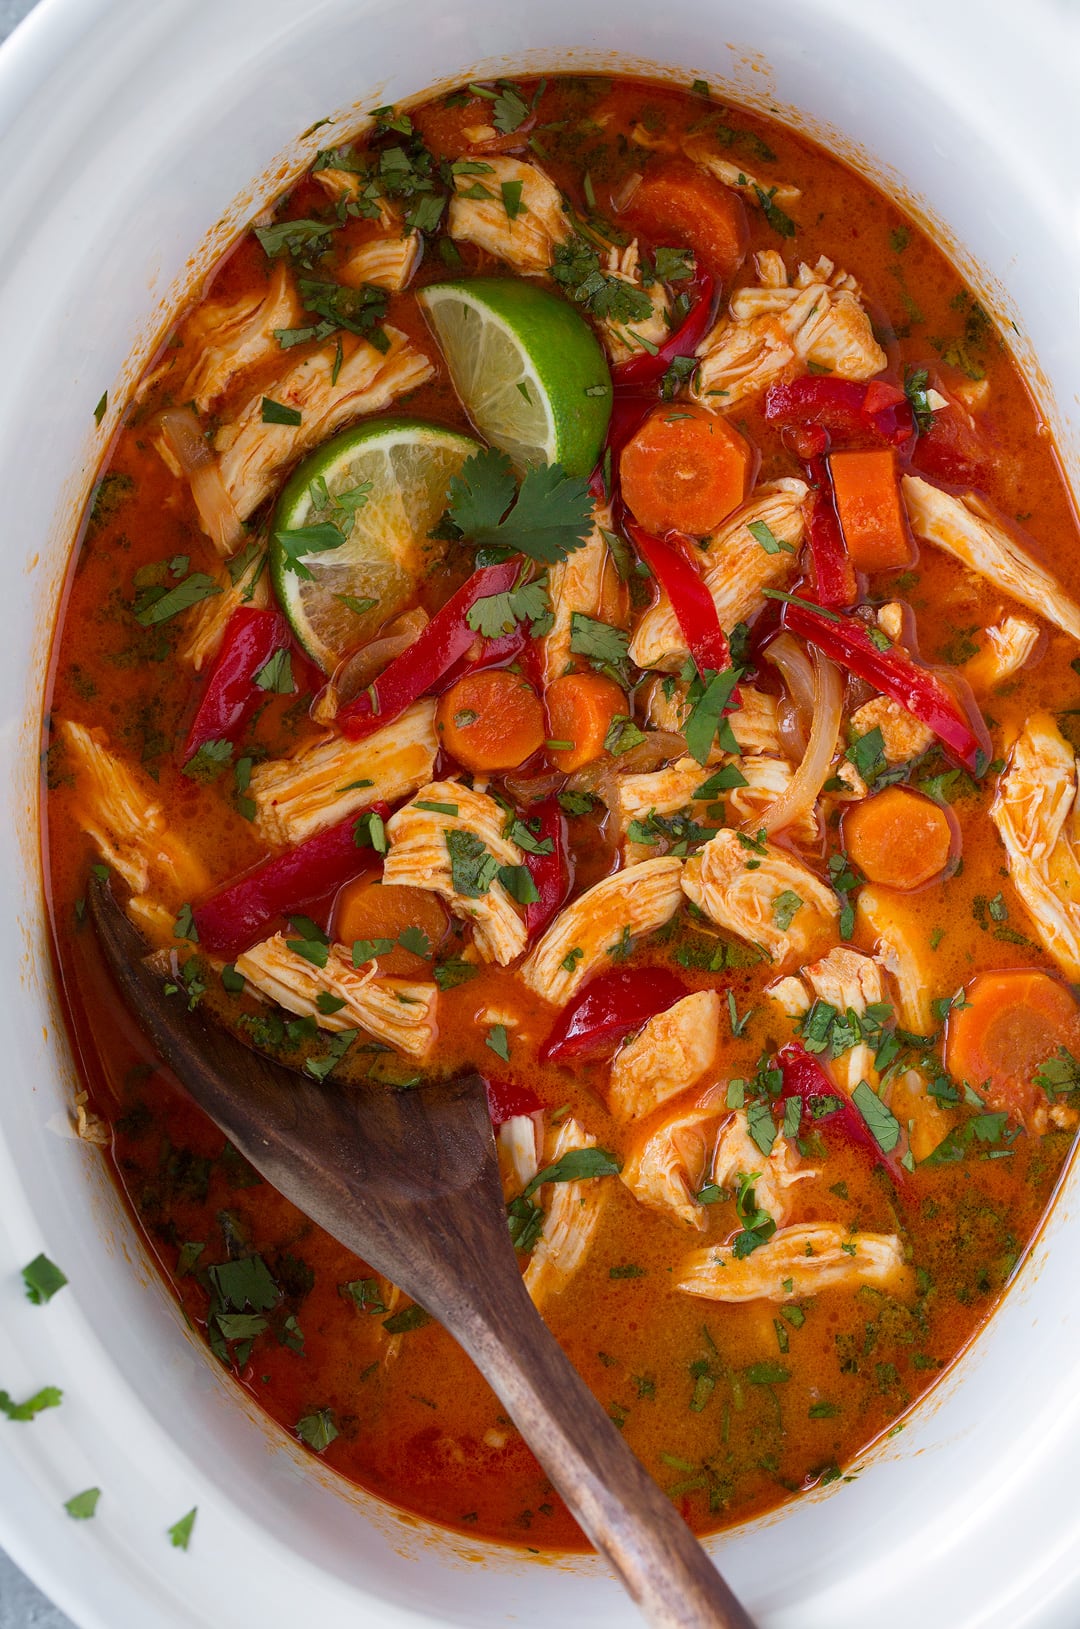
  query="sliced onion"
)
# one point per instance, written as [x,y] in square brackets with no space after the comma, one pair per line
[626,189]
[184,439]
[794,714]
[658,748]
[810,777]
[357,670]
[527,789]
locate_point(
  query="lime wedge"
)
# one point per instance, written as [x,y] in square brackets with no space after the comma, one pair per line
[384,486]
[527,367]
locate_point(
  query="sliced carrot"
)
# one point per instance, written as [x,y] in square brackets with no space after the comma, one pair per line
[871,514]
[678,203]
[684,470]
[581,708]
[448,130]
[490,720]
[1011,1023]
[367,909]
[899,838]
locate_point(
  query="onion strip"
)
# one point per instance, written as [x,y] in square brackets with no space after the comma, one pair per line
[801,796]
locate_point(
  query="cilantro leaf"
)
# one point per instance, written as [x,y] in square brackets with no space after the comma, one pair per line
[574,1165]
[298,541]
[473,868]
[179,1534]
[276,675]
[157,604]
[317,1429]
[707,713]
[81,1506]
[496,614]
[577,270]
[47,1397]
[42,1278]
[597,640]
[882,1124]
[550,518]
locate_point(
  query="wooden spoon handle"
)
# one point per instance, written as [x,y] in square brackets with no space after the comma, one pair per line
[615,1501]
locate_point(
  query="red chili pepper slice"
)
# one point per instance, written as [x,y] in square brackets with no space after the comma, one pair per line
[506,1099]
[609,1007]
[550,871]
[240,914]
[805,1079]
[444,641]
[834,574]
[844,407]
[918,689]
[645,368]
[230,695]
[690,599]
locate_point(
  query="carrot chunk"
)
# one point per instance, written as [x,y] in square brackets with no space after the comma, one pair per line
[581,708]
[678,203]
[871,514]
[490,720]
[899,838]
[1011,1023]
[365,909]
[685,470]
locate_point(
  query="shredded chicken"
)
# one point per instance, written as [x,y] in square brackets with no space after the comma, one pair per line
[223,338]
[399,1012]
[422,849]
[659,791]
[798,1262]
[520,1141]
[766,780]
[1009,646]
[903,736]
[626,339]
[963,528]
[925,1118]
[667,1056]
[702,148]
[748,886]
[901,947]
[775,1174]
[736,569]
[790,995]
[206,626]
[252,454]
[850,982]
[778,329]
[572,1212]
[605,919]
[333,777]
[753,724]
[669,1161]
[584,583]
[1035,811]
[88,1126]
[528,239]
[118,809]
[388,259]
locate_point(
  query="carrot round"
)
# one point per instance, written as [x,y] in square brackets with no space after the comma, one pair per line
[678,203]
[449,130]
[490,720]
[871,514]
[899,838]
[684,470]
[581,708]
[1011,1023]
[367,909]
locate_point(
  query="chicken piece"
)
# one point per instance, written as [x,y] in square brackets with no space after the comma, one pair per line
[883,919]
[1010,645]
[457,856]
[572,1212]
[223,338]
[520,1141]
[669,1160]
[964,529]
[388,258]
[340,186]
[736,569]
[668,1055]
[205,628]
[753,724]
[850,982]
[1035,812]
[749,887]
[798,1262]
[626,339]
[702,148]
[399,1012]
[903,736]
[585,582]
[778,329]
[766,780]
[890,619]
[737,1156]
[334,777]
[660,791]
[634,901]
[252,454]
[119,811]
[88,1126]
[925,1118]
[790,995]
[527,240]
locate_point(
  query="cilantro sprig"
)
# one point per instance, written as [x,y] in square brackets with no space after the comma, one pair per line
[546,519]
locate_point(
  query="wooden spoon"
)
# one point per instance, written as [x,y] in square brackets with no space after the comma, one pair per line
[409,1181]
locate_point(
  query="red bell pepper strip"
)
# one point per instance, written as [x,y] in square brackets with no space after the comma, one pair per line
[918,689]
[493,653]
[609,1007]
[433,652]
[506,1099]
[549,872]
[241,913]
[834,574]
[690,599]
[805,1079]
[844,407]
[646,368]
[230,694]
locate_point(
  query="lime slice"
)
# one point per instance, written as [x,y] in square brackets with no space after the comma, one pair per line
[387,549]
[527,367]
